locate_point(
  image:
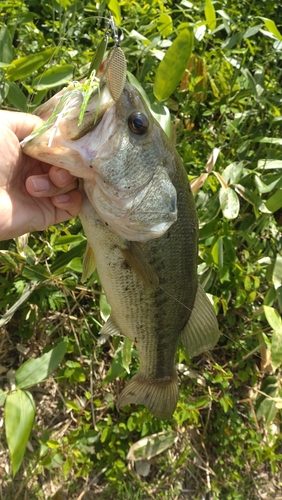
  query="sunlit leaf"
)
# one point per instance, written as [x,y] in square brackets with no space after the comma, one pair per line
[115,9]
[52,77]
[275,201]
[269,164]
[3,396]
[116,369]
[210,15]
[173,65]
[277,272]
[164,25]
[126,353]
[229,202]
[28,290]
[217,253]
[6,47]
[34,371]
[275,321]
[150,446]
[16,97]
[105,308]
[24,66]
[19,416]
[271,26]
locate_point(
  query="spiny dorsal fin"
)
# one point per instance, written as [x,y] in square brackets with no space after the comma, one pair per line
[201,331]
[138,262]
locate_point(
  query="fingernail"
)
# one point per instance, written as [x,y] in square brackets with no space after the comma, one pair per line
[62,198]
[64,176]
[40,184]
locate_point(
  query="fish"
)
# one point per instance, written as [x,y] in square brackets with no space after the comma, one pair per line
[140,220]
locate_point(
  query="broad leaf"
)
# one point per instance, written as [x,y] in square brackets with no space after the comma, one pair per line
[24,66]
[275,321]
[173,65]
[229,202]
[115,9]
[126,353]
[19,416]
[34,371]
[150,446]
[271,26]
[57,75]
[210,15]
[3,396]
[164,25]
[6,47]
[275,201]
[16,97]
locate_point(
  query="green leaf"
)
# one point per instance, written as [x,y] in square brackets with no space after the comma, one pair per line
[150,446]
[275,201]
[269,164]
[273,318]
[277,272]
[105,308]
[229,202]
[19,416]
[276,349]
[217,252]
[275,321]
[162,115]
[63,260]
[24,66]
[57,75]
[210,15]
[126,353]
[16,97]
[116,369]
[115,9]
[34,371]
[3,396]
[271,26]
[233,172]
[29,288]
[6,47]
[173,65]
[164,25]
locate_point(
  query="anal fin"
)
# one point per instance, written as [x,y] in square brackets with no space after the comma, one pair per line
[201,332]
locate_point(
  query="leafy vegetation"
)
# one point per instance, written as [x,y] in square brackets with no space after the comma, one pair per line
[225,436]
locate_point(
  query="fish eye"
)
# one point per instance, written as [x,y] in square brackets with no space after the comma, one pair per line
[138,123]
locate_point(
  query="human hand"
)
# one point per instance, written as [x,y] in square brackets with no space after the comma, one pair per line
[33,194]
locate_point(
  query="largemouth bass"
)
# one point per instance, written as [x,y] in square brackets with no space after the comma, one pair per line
[140,221]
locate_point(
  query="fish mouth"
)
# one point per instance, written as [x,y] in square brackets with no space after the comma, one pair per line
[70,136]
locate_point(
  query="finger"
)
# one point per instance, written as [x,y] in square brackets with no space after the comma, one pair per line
[69,204]
[60,176]
[40,186]
[22,124]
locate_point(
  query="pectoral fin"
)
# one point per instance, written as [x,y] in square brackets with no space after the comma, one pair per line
[89,263]
[201,331]
[138,262]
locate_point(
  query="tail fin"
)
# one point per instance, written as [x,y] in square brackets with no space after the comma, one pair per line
[159,395]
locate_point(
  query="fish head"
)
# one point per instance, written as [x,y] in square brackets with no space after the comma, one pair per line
[120,152]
